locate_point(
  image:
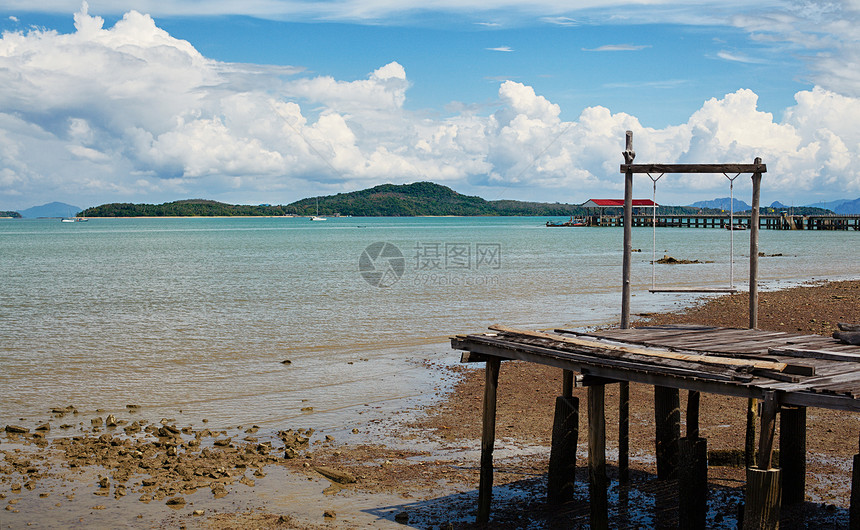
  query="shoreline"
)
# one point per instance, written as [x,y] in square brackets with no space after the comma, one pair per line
[421,465]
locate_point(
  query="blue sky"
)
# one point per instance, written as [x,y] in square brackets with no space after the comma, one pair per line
[272,101]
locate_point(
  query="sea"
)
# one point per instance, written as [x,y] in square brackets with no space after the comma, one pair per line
[290,323]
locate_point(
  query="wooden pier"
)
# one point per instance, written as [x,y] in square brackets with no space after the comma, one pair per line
[766,221]
[785,372]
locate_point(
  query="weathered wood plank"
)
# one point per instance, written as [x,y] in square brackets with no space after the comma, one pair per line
[705,359]
[694,168]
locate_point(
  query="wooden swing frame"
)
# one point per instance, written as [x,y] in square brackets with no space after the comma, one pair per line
[629,169]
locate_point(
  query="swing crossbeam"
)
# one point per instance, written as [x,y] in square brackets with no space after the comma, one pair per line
[703,290]
[694,168]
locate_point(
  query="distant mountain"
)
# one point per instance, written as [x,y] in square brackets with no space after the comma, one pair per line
[776,205]
[849,207]
[830,205]
[723,204]
[52,209]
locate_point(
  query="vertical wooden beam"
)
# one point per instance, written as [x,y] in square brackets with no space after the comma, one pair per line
[692,420]
[667,422]
[692,470]
[567,383]
[597,481]
[854,507]
[624,387]
[624,432]
[768,427]
[562,457]
[754,229]
[763,491]
[629,155]
[749,440]
[488,439]
[792,453]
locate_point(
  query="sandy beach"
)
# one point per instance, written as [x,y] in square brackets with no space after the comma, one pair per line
[420,469]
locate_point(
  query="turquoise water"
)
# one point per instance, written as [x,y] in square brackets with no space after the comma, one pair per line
[196,314]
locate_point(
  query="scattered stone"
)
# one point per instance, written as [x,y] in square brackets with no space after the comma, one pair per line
[44,427]
[197,513]
[145,498]
[286,361]
[99,507]
[16,429]
[307,409]
[97,421]
[669,260]
[175,501]
[110,421]
[329,514]
[246,481]
[222,442]
[402,518]
[219,490]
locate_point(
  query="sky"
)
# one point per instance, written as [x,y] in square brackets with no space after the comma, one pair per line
[272,101]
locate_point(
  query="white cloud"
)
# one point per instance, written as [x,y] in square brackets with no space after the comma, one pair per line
[501,49]
[618,48]
[131,113]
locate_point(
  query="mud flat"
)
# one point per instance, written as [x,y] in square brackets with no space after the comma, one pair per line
[419,468]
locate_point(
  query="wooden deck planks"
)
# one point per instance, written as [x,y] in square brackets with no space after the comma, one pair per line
[688,349]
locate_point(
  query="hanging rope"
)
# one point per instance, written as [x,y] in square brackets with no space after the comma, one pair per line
[654,229]
[732,229]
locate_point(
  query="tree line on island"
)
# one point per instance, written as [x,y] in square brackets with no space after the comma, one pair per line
[403,200]
[386,200]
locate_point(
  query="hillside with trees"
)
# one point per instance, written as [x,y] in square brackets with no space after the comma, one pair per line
[386,200]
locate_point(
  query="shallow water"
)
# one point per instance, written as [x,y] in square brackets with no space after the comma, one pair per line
[191,318]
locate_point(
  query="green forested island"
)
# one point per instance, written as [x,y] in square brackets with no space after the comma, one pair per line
[13,215]
[386,200]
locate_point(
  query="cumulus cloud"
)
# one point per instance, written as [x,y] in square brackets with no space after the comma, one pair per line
[132,113]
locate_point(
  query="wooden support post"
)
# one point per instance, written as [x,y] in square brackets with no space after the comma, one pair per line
[562,456]
[629,155]
[761,510]
[567,383]
[792,453]
[624,432]
[624,388]
[597,480]
[692,470]
[763,492]
[749,440]
[488,439]
[667,420]
[768,428]
[854,507]
[754,229]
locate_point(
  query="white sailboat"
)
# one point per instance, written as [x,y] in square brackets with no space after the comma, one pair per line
[317,216]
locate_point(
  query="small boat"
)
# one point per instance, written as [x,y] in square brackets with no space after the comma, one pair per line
[74,220]
[570,222]
[735,227]
[317,216]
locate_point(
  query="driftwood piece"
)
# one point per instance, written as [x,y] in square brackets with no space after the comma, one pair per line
[848,337]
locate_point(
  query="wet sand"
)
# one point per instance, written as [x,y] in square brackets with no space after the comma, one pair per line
[418,469]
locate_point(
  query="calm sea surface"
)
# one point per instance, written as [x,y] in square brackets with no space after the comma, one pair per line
[195,315]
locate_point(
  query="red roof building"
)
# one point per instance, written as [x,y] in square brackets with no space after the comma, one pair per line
[618,203]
